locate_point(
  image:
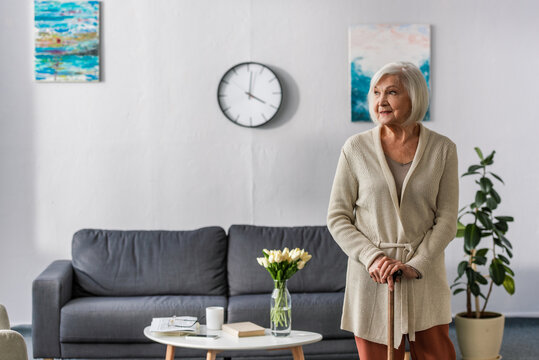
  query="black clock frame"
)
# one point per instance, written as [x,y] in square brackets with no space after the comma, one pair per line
[232,69]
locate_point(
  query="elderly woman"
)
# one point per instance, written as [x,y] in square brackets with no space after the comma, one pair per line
[393,207]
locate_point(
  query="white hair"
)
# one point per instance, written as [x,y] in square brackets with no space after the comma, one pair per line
[414,82]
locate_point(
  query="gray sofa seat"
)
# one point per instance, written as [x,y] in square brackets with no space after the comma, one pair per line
[123,319]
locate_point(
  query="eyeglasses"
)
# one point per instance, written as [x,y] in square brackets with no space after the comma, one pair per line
[184,321]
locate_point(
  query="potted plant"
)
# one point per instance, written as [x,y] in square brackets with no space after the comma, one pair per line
[480,332]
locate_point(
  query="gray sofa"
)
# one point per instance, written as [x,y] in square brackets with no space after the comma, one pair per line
[96,305]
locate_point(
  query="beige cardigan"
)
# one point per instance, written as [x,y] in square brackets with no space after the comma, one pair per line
[366,220]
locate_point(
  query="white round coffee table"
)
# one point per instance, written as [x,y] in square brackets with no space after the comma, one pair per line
[226,342]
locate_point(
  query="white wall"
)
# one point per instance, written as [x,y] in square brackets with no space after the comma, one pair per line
[147,148]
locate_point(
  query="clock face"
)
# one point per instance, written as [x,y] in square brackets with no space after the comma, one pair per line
[250,94]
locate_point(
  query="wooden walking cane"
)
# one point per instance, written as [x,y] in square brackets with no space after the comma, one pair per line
[391,316]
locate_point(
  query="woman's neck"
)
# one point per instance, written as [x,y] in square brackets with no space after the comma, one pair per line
[400,134]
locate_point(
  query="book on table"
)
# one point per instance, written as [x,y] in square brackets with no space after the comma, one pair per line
[243,329]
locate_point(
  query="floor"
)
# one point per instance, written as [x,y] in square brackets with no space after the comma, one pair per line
[520,339]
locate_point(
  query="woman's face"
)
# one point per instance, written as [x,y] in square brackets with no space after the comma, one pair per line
[391,102]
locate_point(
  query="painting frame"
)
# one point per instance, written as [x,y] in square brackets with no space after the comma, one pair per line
[67,41]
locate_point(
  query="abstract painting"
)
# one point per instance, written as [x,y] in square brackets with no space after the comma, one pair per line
[372,46]
[66,41]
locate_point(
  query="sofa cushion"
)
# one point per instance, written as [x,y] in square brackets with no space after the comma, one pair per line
[123,319]
[132,263]
[318,312]
[325,272]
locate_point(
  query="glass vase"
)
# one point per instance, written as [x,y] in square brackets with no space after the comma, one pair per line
[281,309]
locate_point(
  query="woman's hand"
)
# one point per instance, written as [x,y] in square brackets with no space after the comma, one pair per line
[384,267]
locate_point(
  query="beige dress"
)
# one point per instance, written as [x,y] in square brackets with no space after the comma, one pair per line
[367,219]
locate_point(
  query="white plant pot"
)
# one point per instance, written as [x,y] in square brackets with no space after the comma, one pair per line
[480,339]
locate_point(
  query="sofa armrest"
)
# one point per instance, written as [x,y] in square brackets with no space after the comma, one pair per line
[12,345]
[50,291]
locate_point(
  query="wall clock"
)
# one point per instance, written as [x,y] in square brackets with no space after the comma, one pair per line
[249,94]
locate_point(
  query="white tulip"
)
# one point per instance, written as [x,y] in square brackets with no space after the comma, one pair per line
[301,264]
[294,254]
[305,256]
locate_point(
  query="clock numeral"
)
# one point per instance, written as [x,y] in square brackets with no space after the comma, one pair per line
[273,106]
[261,70]
[277,93]
[222,95]
[272,79]
[263,116]
[226,82]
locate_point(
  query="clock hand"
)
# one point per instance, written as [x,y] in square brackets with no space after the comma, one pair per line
[250,84]
[254,97]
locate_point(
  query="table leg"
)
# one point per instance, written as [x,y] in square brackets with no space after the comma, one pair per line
[211,354]
[170,352]
[297,353]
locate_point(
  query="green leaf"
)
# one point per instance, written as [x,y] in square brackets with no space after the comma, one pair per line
[479,153]
[474,168]
[470,274]
[479,260]
[497,177]
[506,243]
[481,252]
[474,288]
[480,198]
[489,159]
[463,265]
[500,234]
[460,230]
[484,219]
[486,184]
[504,218]
[502,226]
[504,259]
[509,253]
[491,203]
[457,291]
[508,270]
[497,272]
[472,236]
[495,195]
[470,173]
[481,279]
[486,210]
[509,285]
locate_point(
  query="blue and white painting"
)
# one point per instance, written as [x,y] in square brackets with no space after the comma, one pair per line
[67,41]
[373,46]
